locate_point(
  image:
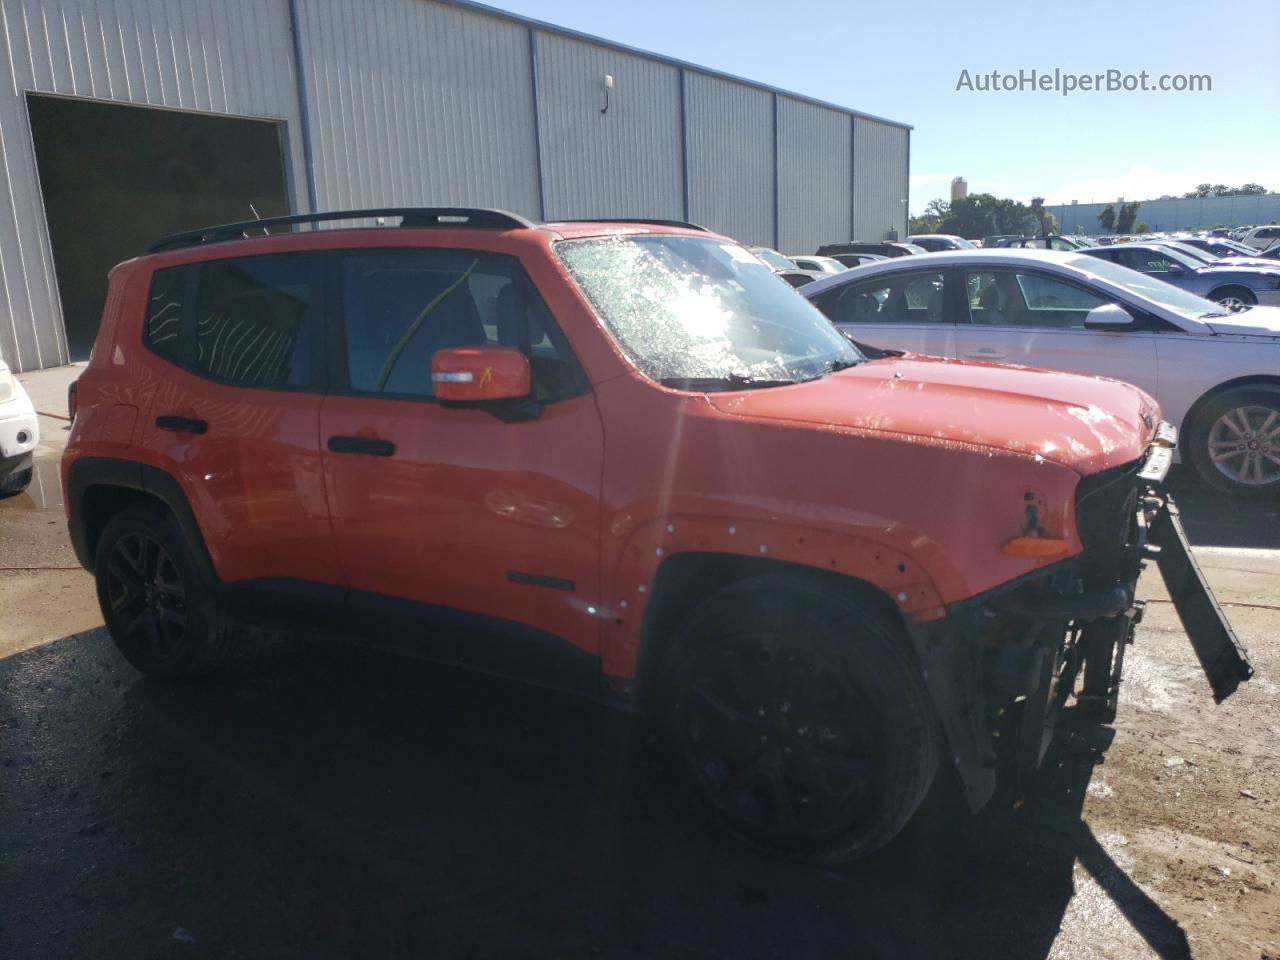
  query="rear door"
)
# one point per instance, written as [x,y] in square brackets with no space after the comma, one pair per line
[235,409]
[1035,318]
[902,310]
[492,512]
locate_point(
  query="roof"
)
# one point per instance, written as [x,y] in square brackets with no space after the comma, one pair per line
[546,27]
[438,218]
[945,258]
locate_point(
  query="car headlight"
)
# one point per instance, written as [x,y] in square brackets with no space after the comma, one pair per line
[8,386]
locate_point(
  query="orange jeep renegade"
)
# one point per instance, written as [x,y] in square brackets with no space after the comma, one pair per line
[623,457]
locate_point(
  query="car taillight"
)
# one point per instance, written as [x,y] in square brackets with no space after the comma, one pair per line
[71,402]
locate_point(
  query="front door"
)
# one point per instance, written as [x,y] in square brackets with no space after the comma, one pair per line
[494,512]
[1031,317]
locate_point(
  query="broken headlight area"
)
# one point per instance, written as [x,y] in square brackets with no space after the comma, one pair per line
[1002,665]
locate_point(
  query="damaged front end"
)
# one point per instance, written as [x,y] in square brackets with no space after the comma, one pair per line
[1023,650]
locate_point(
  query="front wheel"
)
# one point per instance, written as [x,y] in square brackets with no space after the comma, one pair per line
[15,483]
[802,718]
[159,607]
[1234,440]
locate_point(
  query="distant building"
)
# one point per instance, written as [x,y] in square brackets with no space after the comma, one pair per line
[1175,213]
[959,189]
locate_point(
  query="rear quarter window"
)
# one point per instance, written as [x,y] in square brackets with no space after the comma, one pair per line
[250,321]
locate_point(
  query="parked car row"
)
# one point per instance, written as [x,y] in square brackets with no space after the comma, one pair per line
[633,464]
[1134,312]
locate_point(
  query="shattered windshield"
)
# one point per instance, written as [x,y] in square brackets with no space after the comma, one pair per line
[694,308]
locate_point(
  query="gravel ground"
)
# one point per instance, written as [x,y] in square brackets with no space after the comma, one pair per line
[320,802]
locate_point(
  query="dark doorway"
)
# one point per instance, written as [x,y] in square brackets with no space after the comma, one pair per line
[115,178]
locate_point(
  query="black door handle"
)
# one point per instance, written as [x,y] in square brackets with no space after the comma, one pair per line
[187,424]
[377,448]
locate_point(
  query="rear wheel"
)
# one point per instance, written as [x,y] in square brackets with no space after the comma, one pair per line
[159,607]
[802,718]
[1233,298]
[1235,440]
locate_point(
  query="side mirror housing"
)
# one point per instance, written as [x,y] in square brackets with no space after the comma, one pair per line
[1109,316]
[479,374]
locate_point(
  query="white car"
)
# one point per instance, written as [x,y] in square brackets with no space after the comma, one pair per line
[1215,374]
[19,434]
[1262,238]
[818,264]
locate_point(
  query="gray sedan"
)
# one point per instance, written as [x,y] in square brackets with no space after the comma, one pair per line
[1233,287]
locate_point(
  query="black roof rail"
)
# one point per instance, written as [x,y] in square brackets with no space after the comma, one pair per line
[409,217]
[638,220]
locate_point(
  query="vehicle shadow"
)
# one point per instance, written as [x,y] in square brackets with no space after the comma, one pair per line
[1214,519]
[319,802]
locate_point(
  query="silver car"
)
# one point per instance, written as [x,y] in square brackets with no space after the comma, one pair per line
[1233,287]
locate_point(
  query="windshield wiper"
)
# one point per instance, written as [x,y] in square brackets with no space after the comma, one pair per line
[730,381]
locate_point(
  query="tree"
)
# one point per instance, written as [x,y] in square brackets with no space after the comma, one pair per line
[1107,218]
[982,215]
[1038,211]
[933,215]
[1252,190]
[1143,227]
[1128,214]
[1202,190]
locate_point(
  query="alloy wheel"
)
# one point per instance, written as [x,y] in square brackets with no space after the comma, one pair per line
[1244,444]
[782,747]
[146,595]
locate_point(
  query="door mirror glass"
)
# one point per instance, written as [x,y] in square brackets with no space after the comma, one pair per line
[478,374]
[1109,316]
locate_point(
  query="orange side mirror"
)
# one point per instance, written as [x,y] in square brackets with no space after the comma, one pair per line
[476,374]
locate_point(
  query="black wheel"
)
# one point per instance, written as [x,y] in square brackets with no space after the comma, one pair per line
[1234,440]
[1233,298]
[802,718]
[15,483]
[158,606]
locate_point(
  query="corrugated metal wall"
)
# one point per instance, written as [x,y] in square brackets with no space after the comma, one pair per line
[1176,213]
[624,163]
[815,176]
[418,103]
[880,179]
[731,158]
[233,56]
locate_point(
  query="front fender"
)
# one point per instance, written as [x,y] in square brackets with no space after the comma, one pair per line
[647,545]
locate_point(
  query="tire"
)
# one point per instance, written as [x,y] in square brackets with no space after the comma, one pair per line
[801,717]
[1247,460]
[159,606]
[15,483]
[1232,297]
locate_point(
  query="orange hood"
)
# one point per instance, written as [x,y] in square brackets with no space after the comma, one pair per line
[1085,423]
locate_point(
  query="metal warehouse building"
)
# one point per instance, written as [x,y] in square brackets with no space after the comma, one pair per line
[127,119]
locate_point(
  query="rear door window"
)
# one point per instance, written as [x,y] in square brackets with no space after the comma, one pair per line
[897,298]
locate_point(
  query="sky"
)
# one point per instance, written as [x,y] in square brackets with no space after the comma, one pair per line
[903,60]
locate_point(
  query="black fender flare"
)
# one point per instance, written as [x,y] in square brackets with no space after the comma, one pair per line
[90,473]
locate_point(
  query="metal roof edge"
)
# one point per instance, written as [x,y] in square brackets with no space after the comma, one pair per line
[545,27]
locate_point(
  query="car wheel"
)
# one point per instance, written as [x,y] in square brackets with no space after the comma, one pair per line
[802,718]
[1234,298]
[1235,440]
[15,483]
[159,607]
